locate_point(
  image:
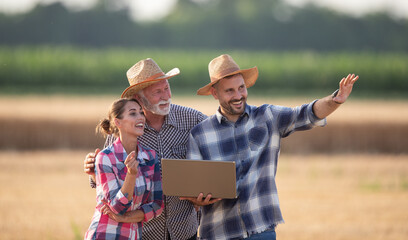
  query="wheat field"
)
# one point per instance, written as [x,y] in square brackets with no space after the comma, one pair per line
[44,194]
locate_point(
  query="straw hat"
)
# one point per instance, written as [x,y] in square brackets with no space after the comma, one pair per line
[143,74]
[224,66]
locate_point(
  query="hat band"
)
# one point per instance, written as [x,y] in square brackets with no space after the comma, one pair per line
[224,73]
[154,76]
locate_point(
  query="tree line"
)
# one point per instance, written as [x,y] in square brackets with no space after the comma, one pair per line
[212,24]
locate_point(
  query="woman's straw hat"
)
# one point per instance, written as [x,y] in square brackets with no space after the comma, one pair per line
[224,66]
[143,74]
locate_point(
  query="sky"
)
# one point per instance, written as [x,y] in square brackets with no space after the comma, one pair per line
[150,10]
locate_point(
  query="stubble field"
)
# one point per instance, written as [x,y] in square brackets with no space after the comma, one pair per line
[348,194]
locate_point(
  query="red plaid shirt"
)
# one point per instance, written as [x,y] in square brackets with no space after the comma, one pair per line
[110,174]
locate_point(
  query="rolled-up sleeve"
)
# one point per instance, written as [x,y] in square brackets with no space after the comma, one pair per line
[108,187]
[297,119]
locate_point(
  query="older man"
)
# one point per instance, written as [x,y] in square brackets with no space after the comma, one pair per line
[166,131]
[251,137]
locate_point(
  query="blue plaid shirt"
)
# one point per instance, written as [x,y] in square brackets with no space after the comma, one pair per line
[253,142]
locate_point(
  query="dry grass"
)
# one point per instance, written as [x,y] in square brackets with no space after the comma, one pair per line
[344,197]
[45,195]
[67,122]
[93,108]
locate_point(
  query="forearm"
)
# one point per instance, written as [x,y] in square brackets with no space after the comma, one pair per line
[325,106]
[129,185]
[133,216]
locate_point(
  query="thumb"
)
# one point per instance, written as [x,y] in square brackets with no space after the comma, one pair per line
[97,151]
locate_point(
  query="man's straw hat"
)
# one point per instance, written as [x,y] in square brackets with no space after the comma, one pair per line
[143,74]
[224,66]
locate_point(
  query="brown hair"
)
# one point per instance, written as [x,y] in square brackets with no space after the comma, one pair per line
[106,126]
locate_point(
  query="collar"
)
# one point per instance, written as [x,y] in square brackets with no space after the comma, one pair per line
[121,154]
[221,117]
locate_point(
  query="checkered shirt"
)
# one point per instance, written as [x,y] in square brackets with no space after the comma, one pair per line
[110,173]
[253,142]
[179,217]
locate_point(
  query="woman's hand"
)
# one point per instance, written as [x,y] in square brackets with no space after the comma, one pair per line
[105,209]
[131,163]
[129,217]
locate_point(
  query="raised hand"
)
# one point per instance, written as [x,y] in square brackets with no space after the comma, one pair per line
[345,87]
[131,163]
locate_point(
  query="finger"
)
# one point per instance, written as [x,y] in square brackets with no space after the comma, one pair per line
[107,211]
[130,157]
[104,209]
[132,165]
[355,79]
[341,82]
[208,198]
[349,77]
[88,158]
[89,165]
[200,197]
[97,151]
[134,162]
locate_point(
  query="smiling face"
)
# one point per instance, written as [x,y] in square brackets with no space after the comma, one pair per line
[231,93]
[156,98]
[132,120]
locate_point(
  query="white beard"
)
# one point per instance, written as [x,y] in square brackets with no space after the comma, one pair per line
[155,108]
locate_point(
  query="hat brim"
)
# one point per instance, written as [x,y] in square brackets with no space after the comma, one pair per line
[250,76]
[135,88]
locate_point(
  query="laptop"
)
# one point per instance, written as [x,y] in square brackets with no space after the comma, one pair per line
[188,178]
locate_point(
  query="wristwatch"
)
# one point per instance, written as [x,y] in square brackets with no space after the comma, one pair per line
[334,94]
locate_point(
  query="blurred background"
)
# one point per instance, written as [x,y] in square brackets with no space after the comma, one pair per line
[62,63]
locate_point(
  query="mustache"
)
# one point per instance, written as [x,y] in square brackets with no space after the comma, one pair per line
[164,102]
[241,99]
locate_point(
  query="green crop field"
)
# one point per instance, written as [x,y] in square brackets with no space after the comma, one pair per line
[72,70]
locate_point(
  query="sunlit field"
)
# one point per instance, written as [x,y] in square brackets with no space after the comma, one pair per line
[57,107]
[45,195]
[348,195]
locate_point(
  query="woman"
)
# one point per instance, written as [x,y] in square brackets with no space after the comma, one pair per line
[127,176]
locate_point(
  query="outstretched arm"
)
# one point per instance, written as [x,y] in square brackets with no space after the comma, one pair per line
[325,106]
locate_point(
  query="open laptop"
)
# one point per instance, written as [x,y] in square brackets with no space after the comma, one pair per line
[188,178]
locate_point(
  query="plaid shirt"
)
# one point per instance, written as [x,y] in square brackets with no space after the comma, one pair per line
[110,173]
[253,142]
[179,217]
